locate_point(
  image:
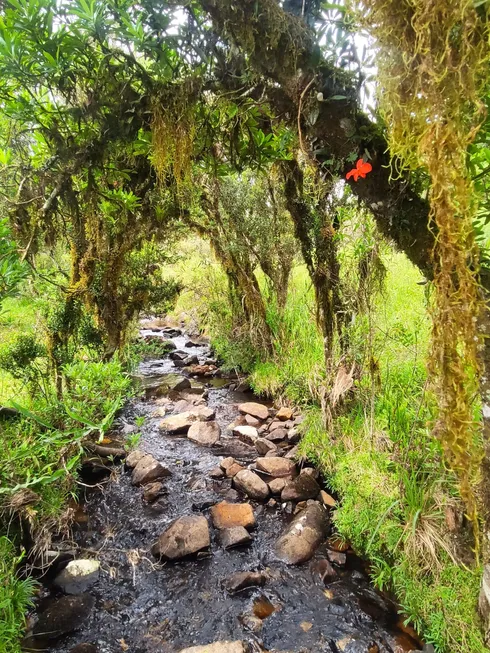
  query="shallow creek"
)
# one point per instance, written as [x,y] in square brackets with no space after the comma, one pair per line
[143,605]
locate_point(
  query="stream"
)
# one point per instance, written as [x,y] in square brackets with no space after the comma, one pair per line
[136,599]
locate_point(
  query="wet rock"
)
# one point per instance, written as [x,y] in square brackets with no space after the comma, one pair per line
[263,446]
[277,435]
[63,616]
[247,434]
[294,436]
[218,647]
[216,473]
[235,536]
[325,570]
[84,648]
[273,426]
[252,421]
[78,576]
[337,558]
[256,410]
[284,414]
[303,535]
[299,420]
[327,500]
[192,343]
[148,469]
[134,457]
[174,384]
[226,463]
[244,579]
[301,488]
[178,355]
[312,472]
[204,433]
[153,491]
[185,536]
[276,466]
[180,364]
[228,515]
[231,496]
[337,544]
[272,503]
[191,360]
[292,454]
[233,470]
[252,623]
[251,484]
[277,485]
[182,406]
[176,424]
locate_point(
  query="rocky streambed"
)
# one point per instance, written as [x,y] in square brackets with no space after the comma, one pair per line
[211,536]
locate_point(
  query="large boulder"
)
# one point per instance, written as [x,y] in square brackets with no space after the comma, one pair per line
[303,535]
[228,515]
[206,434]
[184,537]
[218,647]
[301,488]
[256,410]
[276,467]
[148,469]
[251,484]
[78,576]
[63,616]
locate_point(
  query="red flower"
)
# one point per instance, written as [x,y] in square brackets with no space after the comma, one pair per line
[360,170]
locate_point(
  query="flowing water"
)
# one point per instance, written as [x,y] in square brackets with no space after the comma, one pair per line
[144,606]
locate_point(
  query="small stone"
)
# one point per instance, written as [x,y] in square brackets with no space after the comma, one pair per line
[252,623]
[293,454]
[327,499]
[148,469]
[301,488]
[256,410]
[277,435]
[233,470]
[228,515]
[284,414]
[275,425]
[206,434]
[277,485]
[312,472]
[276,467]
[185,536]
[63,616]
[217,647]
[337,544]
[175,424]
[272,503]
[252,421]
[294,436]
[134,457]
[191,360]
[226,463]
[299,420]
[337,558]
[324,570]
[216,472]
[251,484]
[235,536]
[84,648]
[247,434]
[303,535]
[263,446]
[152,491]
[78,576]
[244,579]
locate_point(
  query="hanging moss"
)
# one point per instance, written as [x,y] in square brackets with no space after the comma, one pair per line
[433,65]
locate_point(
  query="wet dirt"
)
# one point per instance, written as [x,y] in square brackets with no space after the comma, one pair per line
[143,606]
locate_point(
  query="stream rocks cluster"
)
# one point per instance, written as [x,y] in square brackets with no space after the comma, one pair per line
[213,537]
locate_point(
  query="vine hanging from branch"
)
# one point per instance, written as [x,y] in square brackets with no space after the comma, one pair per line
[433,68]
